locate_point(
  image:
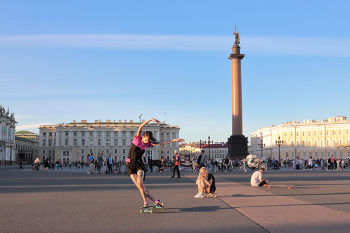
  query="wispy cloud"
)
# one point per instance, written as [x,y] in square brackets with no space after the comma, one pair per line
[32,126]
[279,45]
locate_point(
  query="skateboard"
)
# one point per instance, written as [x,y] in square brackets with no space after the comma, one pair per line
[149,209]
[210,195]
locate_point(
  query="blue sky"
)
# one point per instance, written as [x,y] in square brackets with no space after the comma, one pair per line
[88,60]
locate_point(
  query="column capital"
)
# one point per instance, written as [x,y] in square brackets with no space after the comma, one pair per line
[236,56]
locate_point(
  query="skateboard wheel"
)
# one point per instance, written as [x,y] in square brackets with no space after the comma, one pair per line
[141,211]
[151,210]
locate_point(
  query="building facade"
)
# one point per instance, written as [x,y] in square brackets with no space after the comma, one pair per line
[7,136]
[74,141]
[310,138]
[216,151]
[27,146]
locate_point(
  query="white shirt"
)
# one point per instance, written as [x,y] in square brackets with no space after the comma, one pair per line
[256,177]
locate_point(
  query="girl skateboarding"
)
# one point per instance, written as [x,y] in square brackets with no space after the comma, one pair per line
[136,168]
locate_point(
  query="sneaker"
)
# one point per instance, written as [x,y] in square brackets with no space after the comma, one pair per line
[145,204]
[199,195]
[160,203]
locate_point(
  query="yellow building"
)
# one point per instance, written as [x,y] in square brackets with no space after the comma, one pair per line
[310,138]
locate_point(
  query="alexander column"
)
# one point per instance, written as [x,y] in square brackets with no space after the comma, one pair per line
[237,143]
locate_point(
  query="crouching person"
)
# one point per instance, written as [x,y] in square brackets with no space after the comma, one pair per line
[206,184]
[257,178]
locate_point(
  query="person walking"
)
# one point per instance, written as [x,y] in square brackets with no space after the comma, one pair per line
[99,162]
[134,164]
[110,164]
[176,165]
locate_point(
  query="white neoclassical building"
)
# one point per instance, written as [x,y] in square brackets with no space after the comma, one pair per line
[7,136]
[310,138]
[74,141]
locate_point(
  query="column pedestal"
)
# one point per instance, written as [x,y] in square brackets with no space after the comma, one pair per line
[237,147]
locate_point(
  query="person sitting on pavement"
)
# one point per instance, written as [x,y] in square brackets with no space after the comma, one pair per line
[206,184]
[37,163]
[257,178]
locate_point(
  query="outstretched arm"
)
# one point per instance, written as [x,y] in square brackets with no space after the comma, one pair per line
[167,142]
[145,123]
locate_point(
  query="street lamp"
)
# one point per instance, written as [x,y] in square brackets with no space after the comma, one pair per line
[279,143]
[209,146]
[261,145]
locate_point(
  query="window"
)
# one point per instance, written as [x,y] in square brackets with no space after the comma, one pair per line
[303,134]
[334,132]
[132,133]
[91,134]
[107,141]
[334,142]
[50,134]
[315,133]
[123,151]
[292,134]
[341,154]
[124,133]
[316,142]
[115,151]
[90,151]
[174,135]
[286,134]
[298,143]
[310,143]
[115,134]
[74,134]
[304,143]
[44,152]
[83,142]
[335,154]
[91,142]
[107,151]
[292,143]
[50,142]
[115,142]
[297,134]
[83,134]
[44,134]
[327,133]
[322,154]
[99,133]
[74,142]
[44,142]
[108,134]
[340,132]
[309,134]
[99,142]
[321,133]
[82,151]
[287,155]
[304,154]
[321,143]
[124,142]
[66,142]
[66,134]
[316,154]
[310,154]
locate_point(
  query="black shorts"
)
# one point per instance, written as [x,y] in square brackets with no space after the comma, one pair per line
[134,166]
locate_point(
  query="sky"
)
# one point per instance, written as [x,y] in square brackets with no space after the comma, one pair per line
[113,60]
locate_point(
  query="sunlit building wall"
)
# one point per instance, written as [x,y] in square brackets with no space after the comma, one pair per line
[309,138]
[74,141]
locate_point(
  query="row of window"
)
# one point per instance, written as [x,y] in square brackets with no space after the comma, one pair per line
[316,154]
[318,142]
[316,133]
[106,133]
